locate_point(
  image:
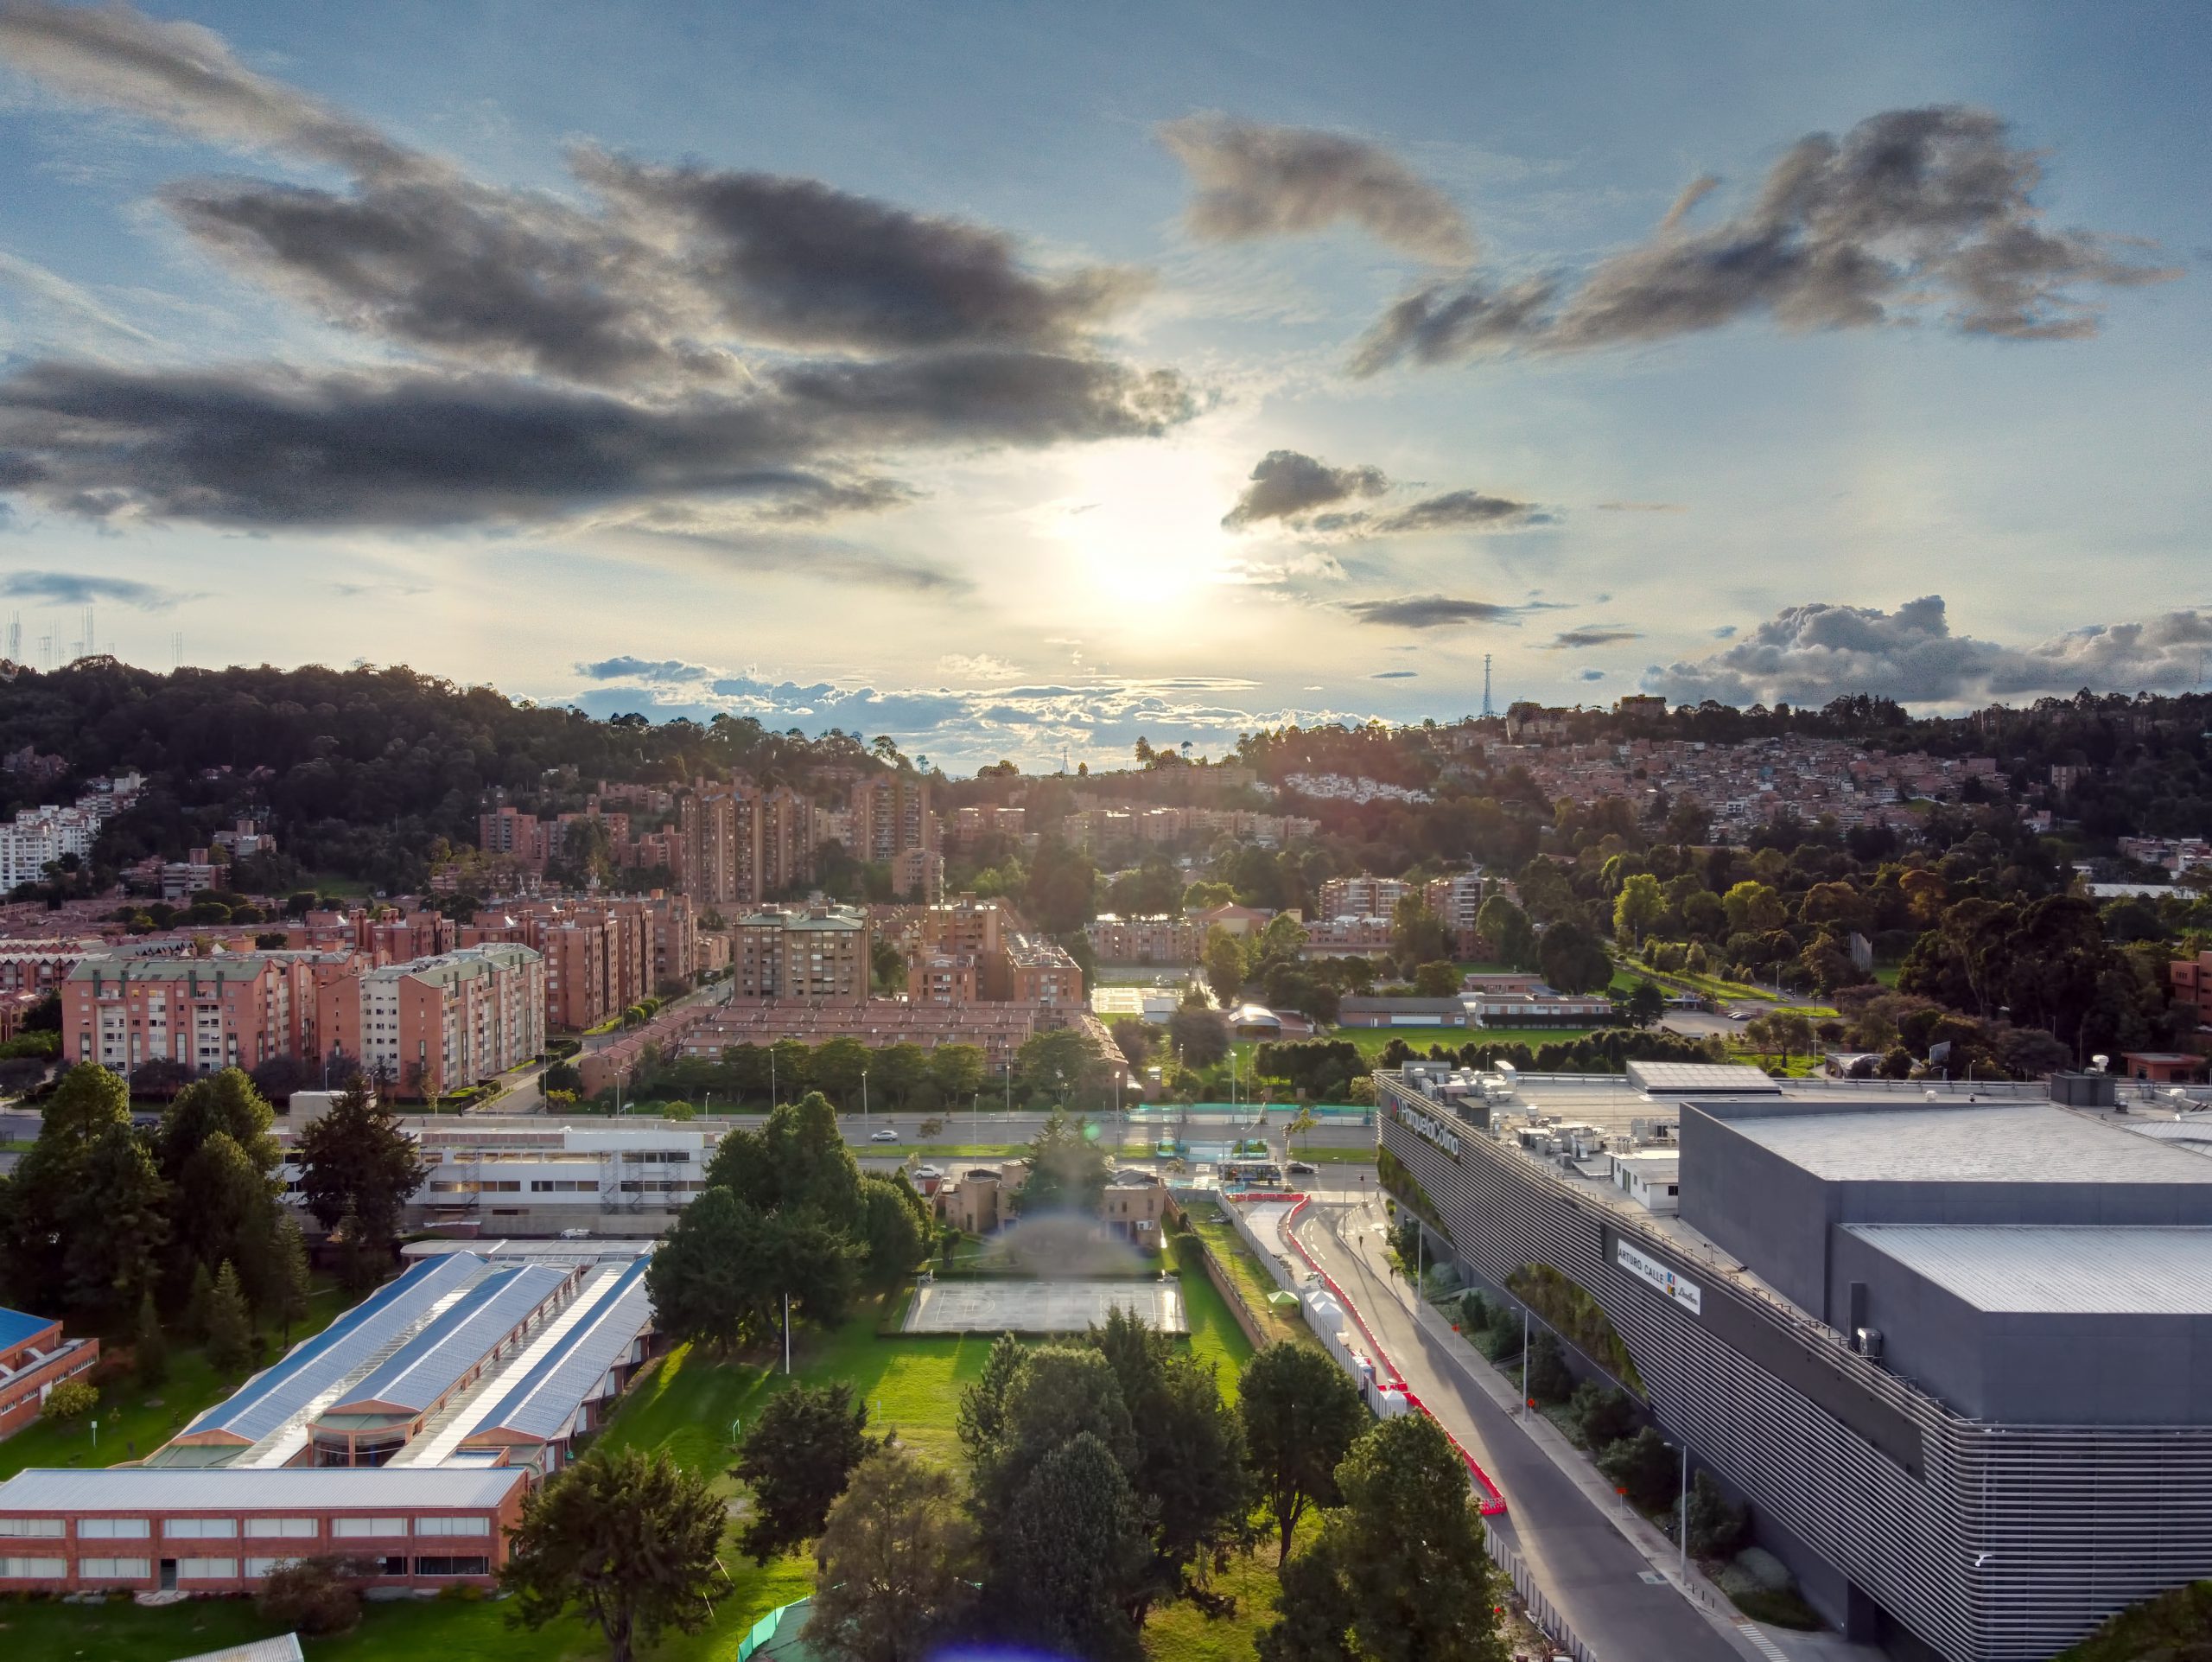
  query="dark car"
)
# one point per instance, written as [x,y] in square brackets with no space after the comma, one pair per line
[1300,1168]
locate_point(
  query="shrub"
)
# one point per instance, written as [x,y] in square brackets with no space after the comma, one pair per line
[1643,1467]
[1717,1525]
[312,1596]
[71,1400]
[1600,1415]
[1548,1379]
[1474,1313]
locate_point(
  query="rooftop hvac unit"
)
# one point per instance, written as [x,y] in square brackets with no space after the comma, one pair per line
[1867,1342]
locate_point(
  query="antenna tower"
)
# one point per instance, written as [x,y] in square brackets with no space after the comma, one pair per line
[15,638]
[1487,711]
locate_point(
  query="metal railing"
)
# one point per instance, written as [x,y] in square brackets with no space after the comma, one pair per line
[1539,1609]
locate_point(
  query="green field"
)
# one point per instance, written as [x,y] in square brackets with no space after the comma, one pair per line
[1372,1042]
[686,1405]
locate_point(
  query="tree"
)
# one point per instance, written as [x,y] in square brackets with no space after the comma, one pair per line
[230,1328]
[1134,1039]
[894,1227]
[117,1229]
[1057,897]
[1199,1036]
[958,1071]
[1753,908]
[1601,1414]
[1055,1394]
[1058,1062]
[725,1268]
[69,1401]
[1224,964]
[797,1161]
[1504,927]
[1417,934]
[226,1104]
[1401,1568]
[1548,1378]
[1645,1003]
[1300,1413]
[357,1164]
[318,1597]
[1438,979]
[233,1206]
[1573,960]
[1643,1467]
[796,1460]
[1067,1170]
[63,1251]
[1069,1553]
[1638,906]
[886,966]
[293,1284]
[629,1541]
[895,1566]
[149,1346]
[1717,1525]
[837,1066]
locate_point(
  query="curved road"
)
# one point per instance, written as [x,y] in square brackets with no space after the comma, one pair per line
[1587,1569]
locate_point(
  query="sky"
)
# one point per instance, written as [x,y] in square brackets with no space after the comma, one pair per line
[1017,379]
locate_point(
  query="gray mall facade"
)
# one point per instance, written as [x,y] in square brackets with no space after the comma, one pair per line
[1957,1358]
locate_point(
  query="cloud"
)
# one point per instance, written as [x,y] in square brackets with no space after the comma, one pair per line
[77,588]
[1461,511]
[1913,216]
[569,357]
[1643,507]
[1570,640]
[1287,486]
[1725,632]
[1394,675]
[1591,675]
[1432,611]
[407,448]
[1252,180]
[977,667]
[1809,654]
[635,669]
[1287,483]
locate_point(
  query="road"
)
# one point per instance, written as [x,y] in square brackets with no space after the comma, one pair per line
[1584,1564]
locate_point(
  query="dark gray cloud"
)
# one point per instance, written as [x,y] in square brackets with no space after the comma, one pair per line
[1591,675]
[1394,675]
[1809,654]
[1252,180]
[1571,640]
[586,357]
[1643,507]
[1913,216]
[77,588]
[1287,484]
[644,669]
[1432,611]
[1444,323]
[1461,511]
[414,449]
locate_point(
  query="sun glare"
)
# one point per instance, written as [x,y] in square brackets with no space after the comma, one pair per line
[1141,527]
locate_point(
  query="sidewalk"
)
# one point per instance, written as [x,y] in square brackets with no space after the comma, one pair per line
[1774,1645]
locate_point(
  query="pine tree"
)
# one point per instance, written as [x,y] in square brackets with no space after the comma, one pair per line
[294,1282]
[149,1345]
[196,1308]
[230,1328]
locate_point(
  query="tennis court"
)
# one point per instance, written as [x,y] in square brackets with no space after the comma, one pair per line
[1041,1307]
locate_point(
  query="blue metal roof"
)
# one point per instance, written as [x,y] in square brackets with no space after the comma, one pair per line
[431,1363]
[315,1366]
[18,1329]
[546,1398]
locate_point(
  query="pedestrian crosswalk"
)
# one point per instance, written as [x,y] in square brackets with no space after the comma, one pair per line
[1767,1647]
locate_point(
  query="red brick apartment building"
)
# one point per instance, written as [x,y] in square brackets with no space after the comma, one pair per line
[2192,985]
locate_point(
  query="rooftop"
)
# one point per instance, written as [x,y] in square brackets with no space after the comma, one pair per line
[2008,1142]
[2115,1270]
[254,1488]
[1702,1080]
[18,1328]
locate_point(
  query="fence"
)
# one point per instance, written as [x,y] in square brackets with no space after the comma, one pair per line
[1540,1609]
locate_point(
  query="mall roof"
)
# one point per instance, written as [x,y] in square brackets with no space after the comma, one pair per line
[544,1400]
[254,1488]
[19,1327]
[1702,1080]
[429,1364]
[2095,1270]
[1934,1143]
[317,1365]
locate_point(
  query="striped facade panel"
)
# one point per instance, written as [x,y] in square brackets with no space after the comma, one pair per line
[1894,1494]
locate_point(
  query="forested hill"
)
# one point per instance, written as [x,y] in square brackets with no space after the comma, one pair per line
[363,770]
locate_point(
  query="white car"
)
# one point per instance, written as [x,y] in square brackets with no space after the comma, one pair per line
[576,1234]
[929,1174]
[887,1135]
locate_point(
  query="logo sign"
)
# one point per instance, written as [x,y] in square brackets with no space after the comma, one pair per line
[1684,1293]
[1429,1129]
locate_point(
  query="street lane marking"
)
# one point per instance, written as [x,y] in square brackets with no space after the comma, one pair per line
[1767,1647]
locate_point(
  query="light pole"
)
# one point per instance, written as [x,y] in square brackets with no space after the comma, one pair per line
[863,1098]
[1682,1517]
[1524,1361]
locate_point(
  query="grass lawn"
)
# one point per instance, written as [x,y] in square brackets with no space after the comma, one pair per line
[1359,1156]
[1372,1042]
[685,1404]
[1887,974]
[1245,1272]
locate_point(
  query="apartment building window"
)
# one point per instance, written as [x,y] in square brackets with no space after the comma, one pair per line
[30,1526]
[24,1570]
[463,1523]
[199,1529]
[113,1529]
[207,1569]
[114,1570]
[289,1529]
[357,1528]
[477,1564]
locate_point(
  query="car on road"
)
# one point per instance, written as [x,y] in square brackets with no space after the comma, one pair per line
[1301,1169]
[929,1172]
[887,1135]
[576,1234]
[1740,1015]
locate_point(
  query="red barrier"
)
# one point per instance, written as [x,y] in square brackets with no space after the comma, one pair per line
[1491,1499]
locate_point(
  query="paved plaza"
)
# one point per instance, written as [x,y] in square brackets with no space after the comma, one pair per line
[1041,1307]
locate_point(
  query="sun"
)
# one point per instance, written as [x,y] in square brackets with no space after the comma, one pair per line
[1140,527]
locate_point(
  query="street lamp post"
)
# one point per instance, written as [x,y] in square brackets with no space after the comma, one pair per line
[1682,1537]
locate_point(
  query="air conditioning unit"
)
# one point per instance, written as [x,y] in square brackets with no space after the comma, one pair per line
[1867,1342]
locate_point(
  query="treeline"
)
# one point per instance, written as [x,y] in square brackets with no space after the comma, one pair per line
[132,1232]
[362,769]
